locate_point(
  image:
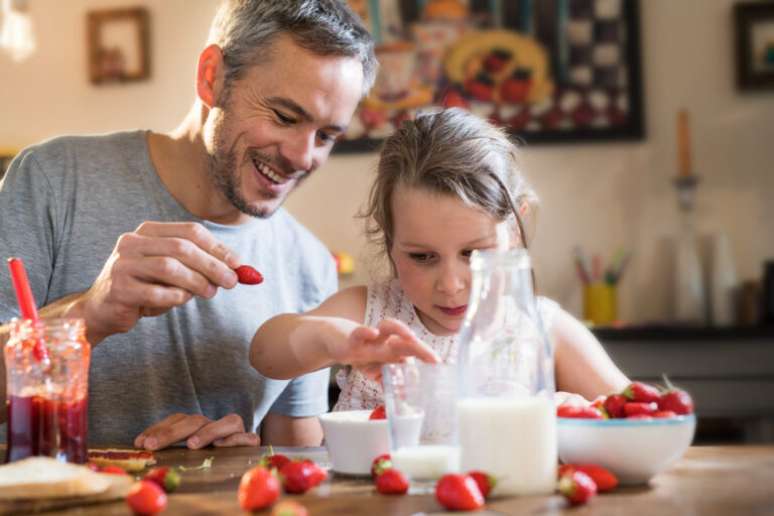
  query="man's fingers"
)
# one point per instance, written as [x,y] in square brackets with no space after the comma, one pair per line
[195,246]
[165,435]
[139,441]
[220,429]
[240,439]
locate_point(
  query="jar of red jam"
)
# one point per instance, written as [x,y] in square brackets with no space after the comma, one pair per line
[47,398]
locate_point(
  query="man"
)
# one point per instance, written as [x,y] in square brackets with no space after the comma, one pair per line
[138,233]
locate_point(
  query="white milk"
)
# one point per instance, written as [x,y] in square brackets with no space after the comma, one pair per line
[513,440]
[426,462]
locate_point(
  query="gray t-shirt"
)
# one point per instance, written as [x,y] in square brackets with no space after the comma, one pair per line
[63,205]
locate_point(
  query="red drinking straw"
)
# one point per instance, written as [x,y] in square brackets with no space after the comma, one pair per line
[21,285]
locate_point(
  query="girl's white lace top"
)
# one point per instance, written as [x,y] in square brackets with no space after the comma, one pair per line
[387,300]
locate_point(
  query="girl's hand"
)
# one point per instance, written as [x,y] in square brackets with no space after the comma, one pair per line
[569,398]
[390,342]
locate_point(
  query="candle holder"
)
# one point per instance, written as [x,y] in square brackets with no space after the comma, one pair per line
[690,301]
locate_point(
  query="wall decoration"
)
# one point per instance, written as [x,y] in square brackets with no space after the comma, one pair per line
[548,70]
[118,41]
[754,45]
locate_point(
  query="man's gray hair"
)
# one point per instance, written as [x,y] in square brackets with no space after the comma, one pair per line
[246,29]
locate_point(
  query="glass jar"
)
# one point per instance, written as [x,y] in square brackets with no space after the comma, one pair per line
[47,400]
[506,415]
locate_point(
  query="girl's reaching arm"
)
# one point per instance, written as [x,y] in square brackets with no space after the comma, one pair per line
[582,365]
[289,345]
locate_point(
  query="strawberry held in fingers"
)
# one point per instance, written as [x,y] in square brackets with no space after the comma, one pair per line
[577,487]
[458,492]
[392,482]
[248,275]
[641,392]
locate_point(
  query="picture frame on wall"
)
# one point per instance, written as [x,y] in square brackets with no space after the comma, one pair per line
[754,27]
[549,71]
[118,45]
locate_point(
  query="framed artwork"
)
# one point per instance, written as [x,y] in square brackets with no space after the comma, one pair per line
[547,70]
[754,45]
[118,45]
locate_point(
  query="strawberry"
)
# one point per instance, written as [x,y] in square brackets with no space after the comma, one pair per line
[289,508]
[484,481]
[318,474]
[392,482]
[634,408]
[380,464]
[458,492]
[614,405]
[577,487]
[248,275]
[298,477]
[603,478]
[576,411]
[146,497]
[664,414]
[276,461]
[259,488]
[167,478]
[676,400]
[378,413]
[112,469]
[641,392]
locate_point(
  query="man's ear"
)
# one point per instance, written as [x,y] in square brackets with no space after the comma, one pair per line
[210,75]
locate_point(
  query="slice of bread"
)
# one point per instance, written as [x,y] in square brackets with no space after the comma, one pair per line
[131,460]
[44,477]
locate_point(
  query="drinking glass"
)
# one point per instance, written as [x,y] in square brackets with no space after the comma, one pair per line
[47,398]
[420,399]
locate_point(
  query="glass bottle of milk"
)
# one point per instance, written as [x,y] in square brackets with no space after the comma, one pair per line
[507,419]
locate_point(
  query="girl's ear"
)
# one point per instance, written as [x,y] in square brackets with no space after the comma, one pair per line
[209,75]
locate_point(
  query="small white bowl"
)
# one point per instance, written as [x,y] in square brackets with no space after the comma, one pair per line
[635,450]
[354,441]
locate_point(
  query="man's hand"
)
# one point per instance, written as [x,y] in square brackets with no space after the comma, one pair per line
[151,270]
[197,431]
[390,342]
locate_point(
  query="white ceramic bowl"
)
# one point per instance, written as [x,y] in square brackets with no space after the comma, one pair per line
[635,450]
[354,441]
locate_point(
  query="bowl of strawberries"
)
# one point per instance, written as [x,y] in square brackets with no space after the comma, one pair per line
[354,438]
[636,433]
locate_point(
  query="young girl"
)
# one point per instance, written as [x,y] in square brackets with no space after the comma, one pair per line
[447,183]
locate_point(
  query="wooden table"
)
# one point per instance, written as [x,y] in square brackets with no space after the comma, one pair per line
[723,480]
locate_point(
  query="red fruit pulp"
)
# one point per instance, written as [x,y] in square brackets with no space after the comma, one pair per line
[40,426]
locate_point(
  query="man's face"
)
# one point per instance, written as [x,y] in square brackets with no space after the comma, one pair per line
[278,123]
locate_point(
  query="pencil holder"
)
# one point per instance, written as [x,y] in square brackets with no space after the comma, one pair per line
[600,303]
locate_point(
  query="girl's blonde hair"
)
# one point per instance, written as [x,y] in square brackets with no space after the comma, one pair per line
[450,152]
